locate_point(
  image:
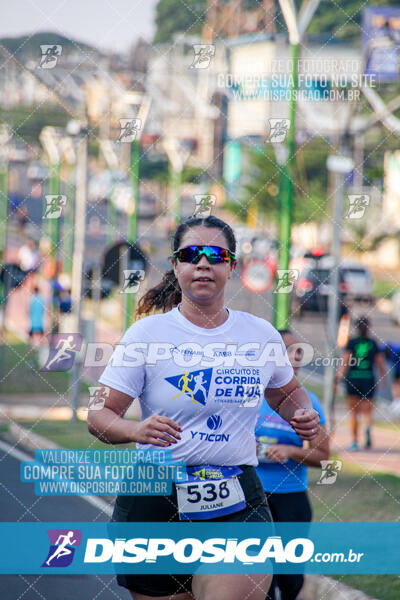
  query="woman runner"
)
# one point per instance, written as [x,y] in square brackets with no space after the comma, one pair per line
[361,355]
[215,433]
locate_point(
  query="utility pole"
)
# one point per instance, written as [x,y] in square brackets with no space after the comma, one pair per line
[140,104]
[78,258]
[282,301]
[339,166]
[51,140]
[69,157]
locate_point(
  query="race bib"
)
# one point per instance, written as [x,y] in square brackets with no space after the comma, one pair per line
[209,492]
[263,443]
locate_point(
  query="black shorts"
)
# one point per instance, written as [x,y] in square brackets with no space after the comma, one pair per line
[35,330]
[362,388]
[165,509]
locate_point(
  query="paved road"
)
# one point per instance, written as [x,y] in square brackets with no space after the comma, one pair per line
[19,503]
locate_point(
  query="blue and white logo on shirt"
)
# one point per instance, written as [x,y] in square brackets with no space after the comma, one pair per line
[195,386]
[214,422]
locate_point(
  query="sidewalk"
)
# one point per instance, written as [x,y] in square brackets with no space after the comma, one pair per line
[384,456]
[46,407]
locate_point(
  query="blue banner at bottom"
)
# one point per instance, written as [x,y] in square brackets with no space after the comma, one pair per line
[207,547]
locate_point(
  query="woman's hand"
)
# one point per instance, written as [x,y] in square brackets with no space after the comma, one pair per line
[305,422]
[158,431]
[279,452]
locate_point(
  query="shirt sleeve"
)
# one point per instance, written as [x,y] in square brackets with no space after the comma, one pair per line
[283,370]
[350,345]
[119,374]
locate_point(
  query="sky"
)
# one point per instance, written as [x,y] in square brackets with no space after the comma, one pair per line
[106,24]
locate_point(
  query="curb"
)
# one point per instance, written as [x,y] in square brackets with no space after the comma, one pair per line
[28,439]
[319,587]
[32,441]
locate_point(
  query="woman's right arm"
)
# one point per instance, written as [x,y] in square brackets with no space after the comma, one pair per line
[110,427]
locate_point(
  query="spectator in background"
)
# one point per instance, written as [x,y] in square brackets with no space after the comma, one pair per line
[29,257]
[36,316]
[64,301]
[361,355]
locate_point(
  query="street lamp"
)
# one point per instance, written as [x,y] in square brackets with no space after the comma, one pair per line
[50,137]
[140,104]
[297,25]
[79,130]
[340,166]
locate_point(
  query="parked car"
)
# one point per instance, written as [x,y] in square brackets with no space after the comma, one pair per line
[313,288]
[359,280]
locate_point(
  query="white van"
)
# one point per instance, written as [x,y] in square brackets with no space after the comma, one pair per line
[358,279]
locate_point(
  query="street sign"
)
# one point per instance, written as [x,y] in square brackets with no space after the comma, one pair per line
[256,276]
[135,260]
[340,164]
[122,198]
[381,41]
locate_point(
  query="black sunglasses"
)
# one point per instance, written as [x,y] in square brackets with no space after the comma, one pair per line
[193,254]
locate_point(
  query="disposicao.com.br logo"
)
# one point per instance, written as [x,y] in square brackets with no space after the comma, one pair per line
[190,550]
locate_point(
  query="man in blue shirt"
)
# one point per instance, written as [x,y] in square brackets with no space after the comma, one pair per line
[282,469]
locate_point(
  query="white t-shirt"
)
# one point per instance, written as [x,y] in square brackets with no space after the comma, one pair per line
[211,381]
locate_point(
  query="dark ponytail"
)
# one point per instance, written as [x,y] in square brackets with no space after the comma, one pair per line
[162,297]
[167,294]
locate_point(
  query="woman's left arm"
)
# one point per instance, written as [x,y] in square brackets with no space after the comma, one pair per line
[310,457]
[293,404]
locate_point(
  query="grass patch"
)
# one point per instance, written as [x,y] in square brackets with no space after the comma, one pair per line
[358,497]
[384,288]
[69,434]
[383,587]
[20,373]
[394,426]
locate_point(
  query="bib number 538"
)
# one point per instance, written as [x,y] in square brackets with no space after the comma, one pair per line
[211,492]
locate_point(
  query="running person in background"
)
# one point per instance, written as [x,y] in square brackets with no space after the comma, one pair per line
[203,261]
[361,355]
[282,469]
